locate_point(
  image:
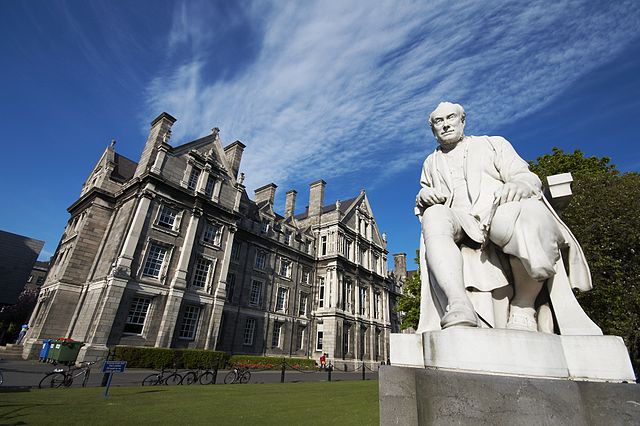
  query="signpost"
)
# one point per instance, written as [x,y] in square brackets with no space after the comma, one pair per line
[110,367]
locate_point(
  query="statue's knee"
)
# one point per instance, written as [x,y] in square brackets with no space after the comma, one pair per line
[436,220]
[503,223]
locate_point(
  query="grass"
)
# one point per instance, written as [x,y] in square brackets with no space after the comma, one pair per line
[310,403]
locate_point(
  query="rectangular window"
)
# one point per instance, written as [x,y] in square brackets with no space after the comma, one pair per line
[256,293]
[324,245]
[376,305]
[235,251]
[167,217]
[347,296]
[376,262]
[249,329]
[281,299]
[201,273]
[261,260]
[363,301]
[306,277]
[155,258]
[193,179]
[137,315]
[212,233]
[345,339]
[208,189]
[189,322]
[231,285]
[319,341]
[287,237]
[302,311]
[347,253]
[321,292]
[285,268]
[275,337]
[300,337]
[264,227]
[363,257]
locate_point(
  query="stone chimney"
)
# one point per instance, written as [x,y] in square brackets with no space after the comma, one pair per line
[316,197]
[400,265]
[266,193]
[290,203]
[233,152]
[159,133]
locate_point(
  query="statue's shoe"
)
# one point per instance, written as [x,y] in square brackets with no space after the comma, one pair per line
[522,320]
[459,316]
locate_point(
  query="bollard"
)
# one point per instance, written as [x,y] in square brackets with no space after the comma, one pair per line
[107,376]
[363,367]
[215,373]
[282,372]
[329,373]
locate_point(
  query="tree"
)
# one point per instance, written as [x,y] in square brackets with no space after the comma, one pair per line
[409,302]
[603,215]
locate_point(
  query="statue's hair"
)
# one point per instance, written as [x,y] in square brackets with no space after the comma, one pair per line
[459,109]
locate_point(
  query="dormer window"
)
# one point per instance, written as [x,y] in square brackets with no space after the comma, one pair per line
[287,238]
[192,183]
[208,189]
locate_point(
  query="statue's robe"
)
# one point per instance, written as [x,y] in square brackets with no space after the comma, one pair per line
[529,229]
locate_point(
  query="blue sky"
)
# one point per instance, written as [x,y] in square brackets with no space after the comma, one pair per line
[336,90]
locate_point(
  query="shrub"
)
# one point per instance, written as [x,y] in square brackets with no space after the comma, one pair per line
[271,362]
[143,357]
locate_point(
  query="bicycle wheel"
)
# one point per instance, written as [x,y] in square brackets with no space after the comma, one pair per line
[151,380]
[230,377]
[189,378]
[53,380]
[246,376]
[1,378]
[206,378]
[173,379]
[85,379]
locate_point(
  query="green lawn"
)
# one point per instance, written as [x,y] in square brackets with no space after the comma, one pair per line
[318,403]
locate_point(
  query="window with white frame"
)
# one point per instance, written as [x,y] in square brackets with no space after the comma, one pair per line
[345,339]
[231,285]
[287,237]
[320,292]
[192,183]
[201,272]
[264,226]
[281,299]
[319,337]
[323,245]
[376,305]
[155,258]
[167,217]
[256,293]
[300,337]
[212,233]
[275,336]
[348,294]
[137,315]
[302,310]
[261,260]
[306,277]
[249,330]
[363,300]
[285,268]
[189,323]
[208,189]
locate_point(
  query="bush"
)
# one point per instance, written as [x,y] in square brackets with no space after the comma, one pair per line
[270,362]
[143,357]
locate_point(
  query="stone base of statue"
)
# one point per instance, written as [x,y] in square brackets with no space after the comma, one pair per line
[496,376]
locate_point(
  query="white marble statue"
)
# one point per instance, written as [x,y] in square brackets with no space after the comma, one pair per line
[491,244]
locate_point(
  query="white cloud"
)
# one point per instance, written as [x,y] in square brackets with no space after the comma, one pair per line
[343,87]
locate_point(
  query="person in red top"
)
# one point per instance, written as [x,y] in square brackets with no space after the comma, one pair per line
[323,361]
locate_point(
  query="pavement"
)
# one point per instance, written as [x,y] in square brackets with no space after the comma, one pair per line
[26,374]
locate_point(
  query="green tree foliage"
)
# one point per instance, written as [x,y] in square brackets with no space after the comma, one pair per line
[603,215]
[409,302]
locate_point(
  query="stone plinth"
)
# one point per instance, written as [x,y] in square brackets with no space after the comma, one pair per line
[412,396]
[515,353]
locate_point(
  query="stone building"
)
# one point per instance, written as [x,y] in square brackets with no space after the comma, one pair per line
[171,252]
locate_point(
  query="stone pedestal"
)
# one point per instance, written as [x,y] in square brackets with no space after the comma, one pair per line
[418,396]
[515,353]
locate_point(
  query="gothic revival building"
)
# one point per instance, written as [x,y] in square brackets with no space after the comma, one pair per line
[171,252]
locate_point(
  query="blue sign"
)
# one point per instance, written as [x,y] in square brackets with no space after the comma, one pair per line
[114,366]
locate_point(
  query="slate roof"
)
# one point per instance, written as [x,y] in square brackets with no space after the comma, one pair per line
[344,206]
[125,168]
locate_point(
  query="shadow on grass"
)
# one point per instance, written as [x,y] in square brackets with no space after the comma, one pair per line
[16,410]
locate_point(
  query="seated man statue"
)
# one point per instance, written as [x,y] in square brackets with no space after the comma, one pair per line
[490,240]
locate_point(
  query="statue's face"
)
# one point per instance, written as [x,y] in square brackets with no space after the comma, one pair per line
[447,125]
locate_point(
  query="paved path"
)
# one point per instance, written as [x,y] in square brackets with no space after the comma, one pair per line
[21,374]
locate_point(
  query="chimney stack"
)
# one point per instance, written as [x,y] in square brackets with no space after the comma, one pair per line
[290,203]
[400,265]
[233,152]
[316,197]
[159,133]
[266,193]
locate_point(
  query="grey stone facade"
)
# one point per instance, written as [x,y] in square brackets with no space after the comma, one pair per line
[172,252]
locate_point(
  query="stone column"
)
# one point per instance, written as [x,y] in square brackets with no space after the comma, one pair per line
[180,277]
[123,263]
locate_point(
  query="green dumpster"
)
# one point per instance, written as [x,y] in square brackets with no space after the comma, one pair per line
[64,351]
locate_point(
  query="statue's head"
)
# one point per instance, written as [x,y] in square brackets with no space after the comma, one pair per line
[447,123]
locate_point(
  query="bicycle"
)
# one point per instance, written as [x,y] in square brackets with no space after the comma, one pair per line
[160,378]
[59,377]
[238,375]
[205,377]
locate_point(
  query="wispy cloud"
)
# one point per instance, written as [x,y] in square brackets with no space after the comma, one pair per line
[345,87]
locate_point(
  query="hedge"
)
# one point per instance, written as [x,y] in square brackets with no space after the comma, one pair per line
[143,357]
[271,362]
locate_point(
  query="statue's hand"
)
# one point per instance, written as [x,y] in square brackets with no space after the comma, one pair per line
[512,191]
[428,197]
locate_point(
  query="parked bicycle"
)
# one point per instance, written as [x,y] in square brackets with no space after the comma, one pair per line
[205,377]
[60,377]
[163,378]
[238,375]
